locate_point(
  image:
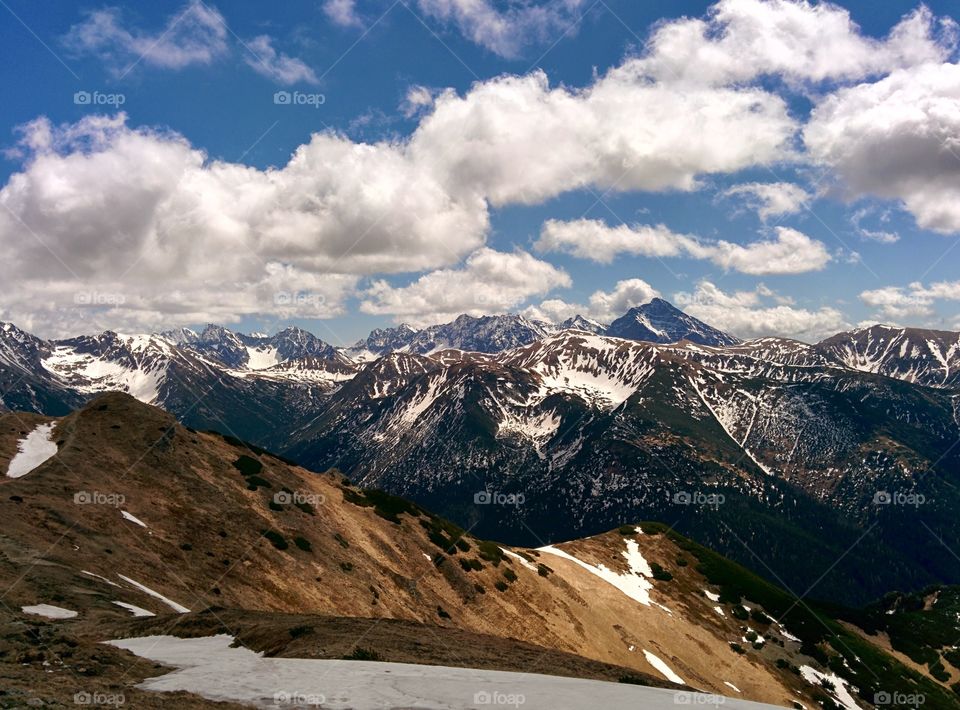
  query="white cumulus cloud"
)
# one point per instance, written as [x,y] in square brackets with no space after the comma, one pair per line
[517,140]
[771,199]
[916,300]
[507,29]
[759,312]
[897,138]
[740,40]
[276,66]
[489,282]
[788,252]
[602,306]
[197,34]
[342,12]
[144,214]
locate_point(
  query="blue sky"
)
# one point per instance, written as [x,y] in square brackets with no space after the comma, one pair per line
[158,220]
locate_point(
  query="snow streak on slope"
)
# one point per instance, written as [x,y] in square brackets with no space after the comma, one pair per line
[664,669]
[179,608]
[134,609]
[726,415]
[32,451]
[132,518]
[635,583]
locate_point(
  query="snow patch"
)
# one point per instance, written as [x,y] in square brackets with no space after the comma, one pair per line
[211,668]
[536,428]
[32,451]
[262,358]
[98,375]
[101,578]
[840,691]
[49,611]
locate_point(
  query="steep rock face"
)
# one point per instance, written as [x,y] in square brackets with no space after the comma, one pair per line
[660,322]
[590,431]
[487,334]
[25,385]
[382,341]
[585,324]
[239,351]
[927,357]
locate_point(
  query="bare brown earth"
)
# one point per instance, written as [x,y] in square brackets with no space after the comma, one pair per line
[344,562]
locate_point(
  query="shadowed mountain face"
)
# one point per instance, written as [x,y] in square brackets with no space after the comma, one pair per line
[588,431]
[134,525]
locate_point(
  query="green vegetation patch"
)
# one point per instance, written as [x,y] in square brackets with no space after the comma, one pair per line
[275,538]
[660,573]
[491,552]
[386,505]
[247,465]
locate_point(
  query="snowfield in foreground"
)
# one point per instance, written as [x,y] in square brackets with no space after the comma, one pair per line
[32,451]
[211,668]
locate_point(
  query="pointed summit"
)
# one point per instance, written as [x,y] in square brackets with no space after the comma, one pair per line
[659,321]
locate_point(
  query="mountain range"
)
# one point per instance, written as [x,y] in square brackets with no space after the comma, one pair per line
[801,443]
[130,539]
